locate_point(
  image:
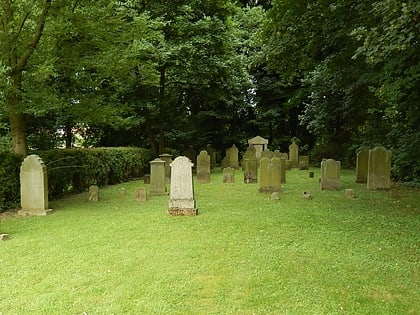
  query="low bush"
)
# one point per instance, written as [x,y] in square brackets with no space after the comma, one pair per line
[74,170]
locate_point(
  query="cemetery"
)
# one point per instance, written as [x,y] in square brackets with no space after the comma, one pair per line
[202,241]
[209,157]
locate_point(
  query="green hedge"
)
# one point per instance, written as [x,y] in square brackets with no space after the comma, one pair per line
[74,170]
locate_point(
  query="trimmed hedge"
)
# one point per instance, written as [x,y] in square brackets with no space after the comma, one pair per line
[74,170]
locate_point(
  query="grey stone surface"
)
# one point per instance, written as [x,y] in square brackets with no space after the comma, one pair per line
[379,169]
[330,174]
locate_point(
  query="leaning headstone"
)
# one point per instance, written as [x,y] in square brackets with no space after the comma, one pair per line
[362,162]
[203,167]
[250,166]
[232,159]
[181,198]
[141,194]
[303,162]
[294,154]
[167,158]
[33,187]
[379,171]
[260,144]
[93,193]
[228,175]
[330,174]
[157,177]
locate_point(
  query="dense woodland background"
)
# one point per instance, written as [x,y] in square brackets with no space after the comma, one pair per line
[333,75]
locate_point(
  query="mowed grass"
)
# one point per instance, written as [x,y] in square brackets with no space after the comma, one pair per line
[243,254]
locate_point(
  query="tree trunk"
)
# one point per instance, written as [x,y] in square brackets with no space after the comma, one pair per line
[162,109]
[18,132]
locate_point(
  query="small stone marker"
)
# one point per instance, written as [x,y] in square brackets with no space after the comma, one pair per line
[362,163]
[93,194]
[275,195]
[33,187]
[203,167]
[349,193]
[122,191]
[379,170]
[141,194]
[250,166]
[157,177]
[306,195]
[294,154]
[3,237]
[181,198]
[330,175]
[228,175]
[311,174]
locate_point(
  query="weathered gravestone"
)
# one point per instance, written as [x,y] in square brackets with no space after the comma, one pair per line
[330,174]
[288,164]
[282,170]
[267,153]
[362,162]
[181,198]
[250,166]
[303,162]
[141,194]
[260,144]
[203,167]
[379,170]
[231,158]
[146,179]
[167,158]
[349,193]
[93,193]
[157,177]
[270,175]
[33,187]
[294,154]
[228,175]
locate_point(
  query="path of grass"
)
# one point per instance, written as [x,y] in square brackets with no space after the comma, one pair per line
[243,253]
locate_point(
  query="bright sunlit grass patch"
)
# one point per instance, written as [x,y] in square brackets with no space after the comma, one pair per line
[243,254]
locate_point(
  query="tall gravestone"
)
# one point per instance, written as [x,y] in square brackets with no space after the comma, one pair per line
[250,166]
[157,177]
[232,159]
[379,171]
[167,158]
[362,162]
[181,198]
[260,144]
[33,187]
[203,167]
[270,175]
[330,174]
[294,154]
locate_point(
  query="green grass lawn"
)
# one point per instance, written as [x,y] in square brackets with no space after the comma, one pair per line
[243,253]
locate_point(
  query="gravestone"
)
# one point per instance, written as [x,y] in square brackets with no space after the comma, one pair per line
[33,187]
[303,162]
[379,170]
[288,164]
[232,159]
[228,175]
[146,179]
[330,174]
[275,195]
[267,153]
[157,177]
[181,198]
[203,167]
[349,193]
[294,154]
[250,166]
[362,162]
[93,193]
[141,194]
[122,191]
[167,158]
[282,170]
[284,155]
[212,154]
[260,144]
[270,175]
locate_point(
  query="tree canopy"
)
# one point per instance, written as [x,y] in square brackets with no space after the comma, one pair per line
[333,75]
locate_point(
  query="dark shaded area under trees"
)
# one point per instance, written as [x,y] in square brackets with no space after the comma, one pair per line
[162,75]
